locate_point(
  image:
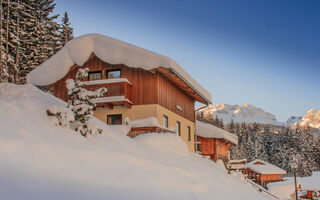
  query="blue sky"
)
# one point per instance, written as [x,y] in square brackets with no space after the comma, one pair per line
[265,53]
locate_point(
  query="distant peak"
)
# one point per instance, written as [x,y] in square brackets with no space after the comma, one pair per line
[244,113]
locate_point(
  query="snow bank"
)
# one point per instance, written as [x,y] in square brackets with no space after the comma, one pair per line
[265,167]
[285,189]
[163,142]
[210,131]
[42,161]
[78,51]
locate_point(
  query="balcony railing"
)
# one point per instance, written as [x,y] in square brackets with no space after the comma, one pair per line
[119,91]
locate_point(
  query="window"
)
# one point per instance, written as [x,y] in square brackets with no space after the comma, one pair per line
[178,129]
[189,133]
[114,119]
[113,74]
[95,76]
[198,146]
[165,121]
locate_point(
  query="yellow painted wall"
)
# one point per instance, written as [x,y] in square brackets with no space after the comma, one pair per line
[151,110]
[133,113]
[172,119]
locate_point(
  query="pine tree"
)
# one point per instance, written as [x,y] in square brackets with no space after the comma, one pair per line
[221,125]
[66,32]
[81,100]
[47,43]
[231,126]
[28,39]
[216,121]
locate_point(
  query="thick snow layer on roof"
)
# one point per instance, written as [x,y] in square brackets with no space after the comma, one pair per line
[106,81]
[264,168]
[237,166]
[78,51]
[111,99]
[145,122]
[42,161]
[210,131]
[238,161]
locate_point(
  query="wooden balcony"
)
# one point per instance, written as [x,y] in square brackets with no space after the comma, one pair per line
[119,92]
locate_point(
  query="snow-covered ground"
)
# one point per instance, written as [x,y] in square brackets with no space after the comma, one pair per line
[285,189]
[42,161]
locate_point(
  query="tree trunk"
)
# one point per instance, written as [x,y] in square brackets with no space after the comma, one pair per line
[18,46]
[1,41]
[7,38]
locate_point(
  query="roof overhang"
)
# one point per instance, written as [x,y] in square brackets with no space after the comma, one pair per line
[174,76]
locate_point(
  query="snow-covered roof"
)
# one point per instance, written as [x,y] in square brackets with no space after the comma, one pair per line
[238,161]
[111,99]
[210,131]
[104,81]
[237,166]
[78,50]
[145,122]
[263,167]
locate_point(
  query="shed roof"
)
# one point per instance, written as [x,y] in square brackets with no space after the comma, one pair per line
[263,167]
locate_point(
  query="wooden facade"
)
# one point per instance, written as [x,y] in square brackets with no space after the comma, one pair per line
[146,87]
[214,147]
[310,194]
[262,179]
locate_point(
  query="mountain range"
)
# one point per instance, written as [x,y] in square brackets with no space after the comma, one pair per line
[250,114]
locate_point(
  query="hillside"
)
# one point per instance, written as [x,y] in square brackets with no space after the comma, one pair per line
[244,113]
[42,161]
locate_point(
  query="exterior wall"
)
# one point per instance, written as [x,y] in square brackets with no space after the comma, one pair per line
[172,119]
[147,87]
[222,149]
[207,146]
[262,179]
[151,93]
[151,110]
[171,96]
[133,113]
[215,148]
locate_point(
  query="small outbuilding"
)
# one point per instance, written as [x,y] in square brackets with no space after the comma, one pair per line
[238,165]
[214,142]
[263,172]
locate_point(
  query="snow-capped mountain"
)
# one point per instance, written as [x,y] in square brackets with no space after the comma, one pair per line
[239,113]
[312,118]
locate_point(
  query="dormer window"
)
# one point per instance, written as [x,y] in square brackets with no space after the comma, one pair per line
[92,76]
[113,74]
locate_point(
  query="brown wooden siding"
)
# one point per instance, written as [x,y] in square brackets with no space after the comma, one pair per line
[262,179]
[147,87]
[170,96]
[211,147]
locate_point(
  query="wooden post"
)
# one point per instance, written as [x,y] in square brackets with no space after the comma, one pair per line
[295,183]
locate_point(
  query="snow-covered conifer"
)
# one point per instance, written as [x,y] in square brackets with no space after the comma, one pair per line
[66,32]
[82,100]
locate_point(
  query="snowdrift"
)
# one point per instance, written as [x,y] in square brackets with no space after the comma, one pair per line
[42,161]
